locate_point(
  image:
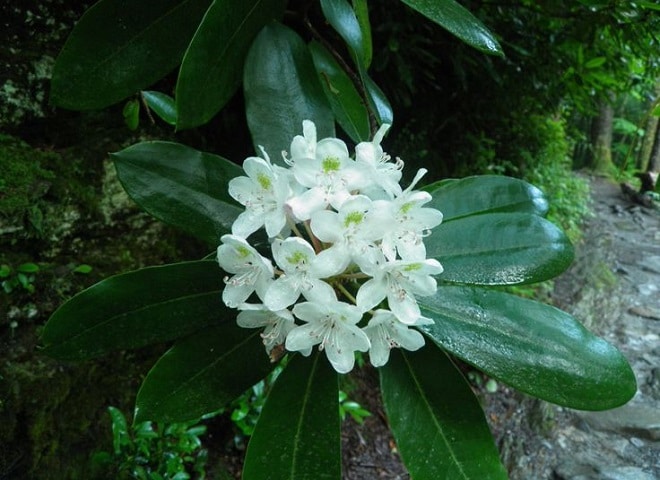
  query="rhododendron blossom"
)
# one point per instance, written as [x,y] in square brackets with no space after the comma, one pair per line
[348,247]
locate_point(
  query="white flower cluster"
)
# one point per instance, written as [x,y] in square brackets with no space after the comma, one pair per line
[345,236]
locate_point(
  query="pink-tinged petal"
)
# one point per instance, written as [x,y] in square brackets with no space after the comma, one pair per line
[371,293]
[281,293]
[326,225]
[332,261]
[246,224]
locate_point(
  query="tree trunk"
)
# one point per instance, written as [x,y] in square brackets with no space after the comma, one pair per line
[601,138]
[650,177]
[647,143]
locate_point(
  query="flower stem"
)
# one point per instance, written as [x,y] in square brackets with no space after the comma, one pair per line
[295,230]
[348,294]
[353,275]
[315,241]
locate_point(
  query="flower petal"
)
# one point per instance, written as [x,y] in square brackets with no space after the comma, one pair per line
[281,293]
[371,293]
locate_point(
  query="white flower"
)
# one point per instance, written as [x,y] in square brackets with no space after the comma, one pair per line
[252,271]
[399,281]
[263,193]
[410,222]
[278,323]
[298,260]
[377,174]
[304,146]
[385,332]
[333,326]
[352,231]
[329,175]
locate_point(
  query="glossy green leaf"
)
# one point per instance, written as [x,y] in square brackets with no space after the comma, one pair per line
[378,102]
[458,21]
[297,436]
[131,113]
[202,373]
[131,310]
[180,186]
[486,194]
[162,105]
[342,18]
[362,13]
[119,47]
[345,101]
[436,420]
[281,90]
[533,347]
[213,64]
[499,249]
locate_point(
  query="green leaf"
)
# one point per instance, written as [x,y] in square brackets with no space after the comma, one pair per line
[213,64]
[650,5]
[297,436]
[119,47]
[281,90]
[345,101]
[362,13]
[533,347]
[83,268]
[28,267]
[595,62]
[499,249]
[378,101]
[341,16]
[486,194]
[436,420]
[202,373]
[180,186]
[458,21]
[162,105]
[131,310]
[131,114]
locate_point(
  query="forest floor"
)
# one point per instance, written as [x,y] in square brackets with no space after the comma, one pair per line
[614,288]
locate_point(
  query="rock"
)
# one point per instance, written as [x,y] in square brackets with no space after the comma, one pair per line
[641,420]
[652,264]
[581,471]
[645,312]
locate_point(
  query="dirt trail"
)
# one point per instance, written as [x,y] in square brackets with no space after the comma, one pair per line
[614,288]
